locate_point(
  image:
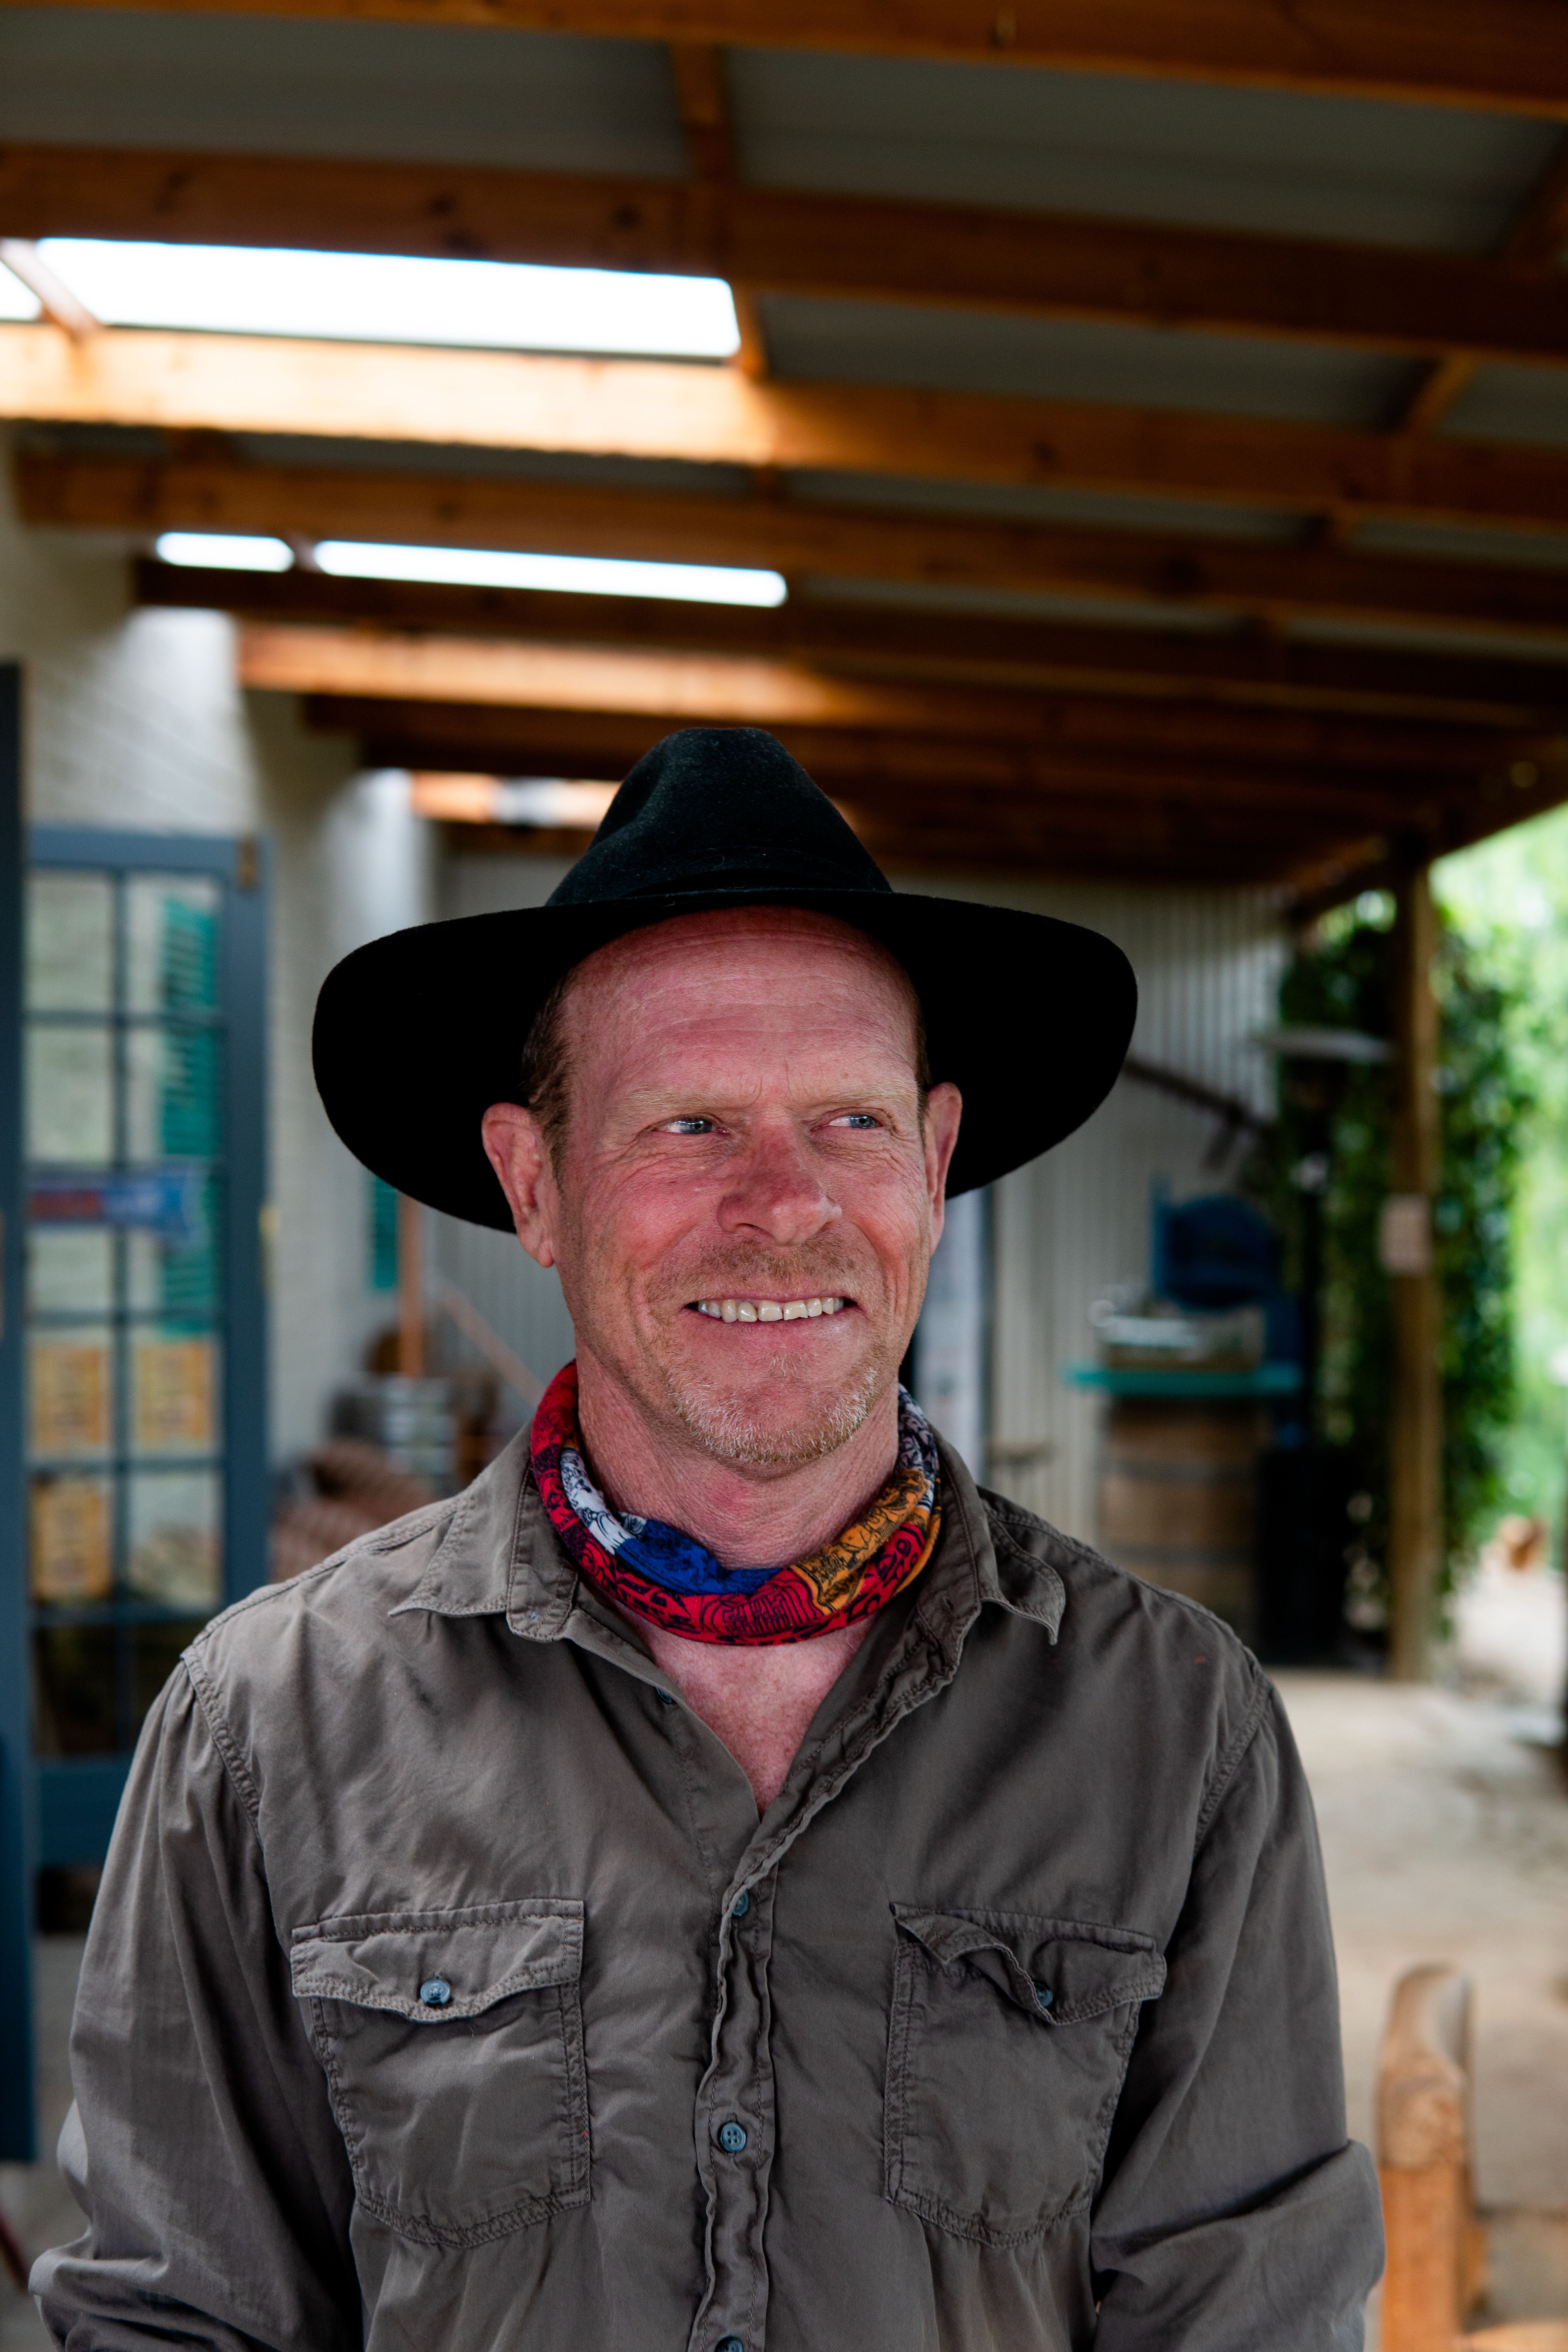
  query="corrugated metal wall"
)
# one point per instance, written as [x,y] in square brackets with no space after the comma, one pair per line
[1207,961]
[1065,1227]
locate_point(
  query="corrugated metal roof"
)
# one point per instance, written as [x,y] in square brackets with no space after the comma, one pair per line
[1026,502]
[1509,403]
[1010,604]
[1167,150]
[1062,359]
[414,93]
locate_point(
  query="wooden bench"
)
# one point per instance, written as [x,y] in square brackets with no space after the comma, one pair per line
[1436,2247]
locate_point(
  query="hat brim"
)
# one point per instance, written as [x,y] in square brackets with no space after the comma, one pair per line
[418,1033]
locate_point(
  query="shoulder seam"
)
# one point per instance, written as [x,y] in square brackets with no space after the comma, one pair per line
[1226,1769]
[223,1740]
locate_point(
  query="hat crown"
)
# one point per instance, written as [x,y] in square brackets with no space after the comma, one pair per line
[718,807]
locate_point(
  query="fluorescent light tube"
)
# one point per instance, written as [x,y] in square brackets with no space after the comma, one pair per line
[223,550]
[588,575]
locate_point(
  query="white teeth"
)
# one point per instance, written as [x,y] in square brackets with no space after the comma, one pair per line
[767,1310]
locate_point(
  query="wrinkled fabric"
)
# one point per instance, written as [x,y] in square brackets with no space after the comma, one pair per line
[445,1990]
[665,1576]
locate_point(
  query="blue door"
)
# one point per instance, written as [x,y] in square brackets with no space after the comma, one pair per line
[141,1454]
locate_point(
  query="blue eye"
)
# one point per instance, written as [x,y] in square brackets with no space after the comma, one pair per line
[857,1118]
[692,1126]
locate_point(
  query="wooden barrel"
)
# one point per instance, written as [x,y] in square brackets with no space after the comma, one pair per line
[1178,1498]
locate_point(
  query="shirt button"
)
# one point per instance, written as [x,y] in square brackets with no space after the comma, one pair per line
[1044,1996]
[729,2344]
[731,2137]
[741,1905]
[436,1992]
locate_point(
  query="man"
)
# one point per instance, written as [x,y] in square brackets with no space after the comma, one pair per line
[723,1882]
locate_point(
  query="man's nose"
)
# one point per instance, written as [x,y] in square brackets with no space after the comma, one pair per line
[779,1193]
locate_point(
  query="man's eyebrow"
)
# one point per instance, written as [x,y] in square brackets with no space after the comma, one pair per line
[638,1101]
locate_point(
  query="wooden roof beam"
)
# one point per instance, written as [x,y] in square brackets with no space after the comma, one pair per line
[223,494]
[694,689]
[1440,54]
[1369,298]
[653,409]
[1249,666]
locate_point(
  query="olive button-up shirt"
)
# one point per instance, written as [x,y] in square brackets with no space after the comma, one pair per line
[446,1990]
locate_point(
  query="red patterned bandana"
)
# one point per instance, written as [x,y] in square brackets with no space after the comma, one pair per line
[658,1572]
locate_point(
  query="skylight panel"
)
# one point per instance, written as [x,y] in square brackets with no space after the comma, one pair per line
[388,297]
[224,551]
[593,575]
[16,300]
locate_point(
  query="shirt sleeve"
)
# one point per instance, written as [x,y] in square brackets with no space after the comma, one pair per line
[202,2148]
[1234,2211]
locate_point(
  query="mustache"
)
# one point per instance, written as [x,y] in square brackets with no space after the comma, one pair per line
[811,1270]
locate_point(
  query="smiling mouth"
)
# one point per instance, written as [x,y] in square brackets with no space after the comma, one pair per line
[769,1310]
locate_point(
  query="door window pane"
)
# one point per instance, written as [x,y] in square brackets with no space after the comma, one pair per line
[154,1653]
[71,1394]
[174,1545]
[70,943]
[172,938]
[70,1271]
[173,1405]
[74,1711]
[72,1539]
[71,1097]
[172,1094]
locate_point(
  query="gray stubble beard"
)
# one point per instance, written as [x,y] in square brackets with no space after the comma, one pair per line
[724,1430]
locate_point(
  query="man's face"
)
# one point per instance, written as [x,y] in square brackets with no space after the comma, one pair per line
[745,1203]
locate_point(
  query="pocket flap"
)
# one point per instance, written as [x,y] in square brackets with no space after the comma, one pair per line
[1060,1970]
[393,1959]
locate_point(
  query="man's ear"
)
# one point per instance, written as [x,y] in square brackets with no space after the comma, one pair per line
[516,1149]
[944,1108]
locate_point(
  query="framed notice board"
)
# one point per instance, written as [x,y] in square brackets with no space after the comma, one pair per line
[134,1451]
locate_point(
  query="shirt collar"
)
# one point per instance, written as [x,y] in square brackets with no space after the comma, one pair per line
[500,1556]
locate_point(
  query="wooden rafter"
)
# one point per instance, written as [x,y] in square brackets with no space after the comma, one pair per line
[1536,234]
[1425,52]
[978,805]
[742,689]
[1366,297]
[656,410]
[221,494]
[1244,665]
[702,94]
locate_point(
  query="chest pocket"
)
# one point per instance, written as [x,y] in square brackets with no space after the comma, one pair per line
[453,2046]
[1009,2038]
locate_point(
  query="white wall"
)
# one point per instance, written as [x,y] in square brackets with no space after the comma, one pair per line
[134,719]
[519,1300]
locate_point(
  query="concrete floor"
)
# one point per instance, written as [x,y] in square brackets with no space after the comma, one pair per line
[1444,1814]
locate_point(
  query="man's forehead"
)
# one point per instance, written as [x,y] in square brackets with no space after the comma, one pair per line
[763,941]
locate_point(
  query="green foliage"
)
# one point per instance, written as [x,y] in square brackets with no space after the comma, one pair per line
[1345,982]
[1513,893]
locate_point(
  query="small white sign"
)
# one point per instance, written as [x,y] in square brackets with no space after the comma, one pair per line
[1405,1233]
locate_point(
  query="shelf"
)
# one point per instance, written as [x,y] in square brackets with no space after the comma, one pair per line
[1263,1380]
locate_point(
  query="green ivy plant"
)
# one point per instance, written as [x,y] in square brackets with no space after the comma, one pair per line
[1343,980]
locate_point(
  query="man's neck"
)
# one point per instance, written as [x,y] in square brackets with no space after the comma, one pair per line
[745,1516]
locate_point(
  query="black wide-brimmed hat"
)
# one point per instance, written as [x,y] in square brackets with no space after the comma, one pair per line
[418,1033]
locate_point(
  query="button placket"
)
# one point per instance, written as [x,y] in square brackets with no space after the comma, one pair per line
[735,2125]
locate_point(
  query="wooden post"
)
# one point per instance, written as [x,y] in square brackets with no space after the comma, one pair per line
[1416,1434]
[1423,2161]
[410,1288]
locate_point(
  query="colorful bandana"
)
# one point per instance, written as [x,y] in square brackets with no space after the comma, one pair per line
[658,1572]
